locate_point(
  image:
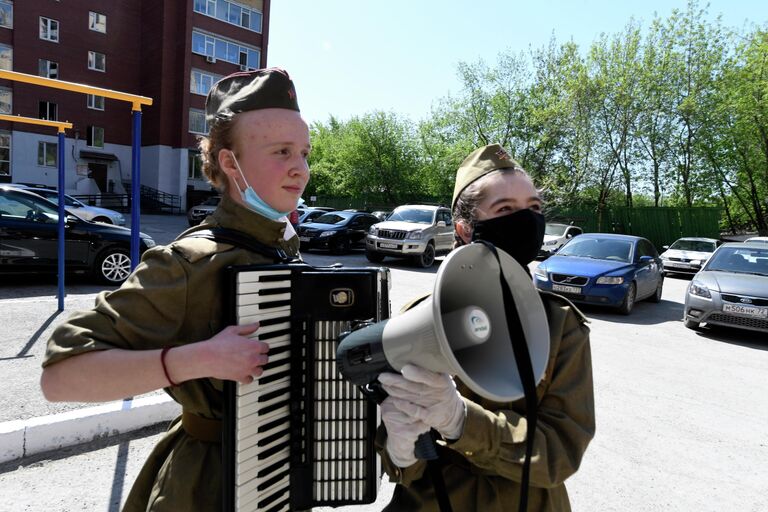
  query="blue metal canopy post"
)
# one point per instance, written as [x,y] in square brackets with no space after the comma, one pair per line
[62,219]
[135,188]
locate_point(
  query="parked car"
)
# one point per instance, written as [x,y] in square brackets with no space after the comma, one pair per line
[420,232]
[687,255]
[758,239]
[309,214]
[604,269]
[555,236]
[381,214]
[29,240]
[196,214]
[72,205]
[731,289]
[338,232]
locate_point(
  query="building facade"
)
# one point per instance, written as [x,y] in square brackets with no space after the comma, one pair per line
[172,51]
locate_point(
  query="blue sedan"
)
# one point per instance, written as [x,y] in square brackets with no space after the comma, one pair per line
[604,269]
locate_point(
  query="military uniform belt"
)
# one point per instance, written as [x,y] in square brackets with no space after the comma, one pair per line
[200,428]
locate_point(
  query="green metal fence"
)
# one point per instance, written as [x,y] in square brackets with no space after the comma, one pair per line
[662,225]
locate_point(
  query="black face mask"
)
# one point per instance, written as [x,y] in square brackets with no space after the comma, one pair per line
[519,234]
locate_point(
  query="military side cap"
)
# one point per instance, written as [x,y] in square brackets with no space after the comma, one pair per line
[250,90]
[479,163]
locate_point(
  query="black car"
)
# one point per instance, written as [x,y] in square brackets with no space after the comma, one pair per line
[337,232]
[29,232]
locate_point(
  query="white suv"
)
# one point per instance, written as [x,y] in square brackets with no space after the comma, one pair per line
[418,231]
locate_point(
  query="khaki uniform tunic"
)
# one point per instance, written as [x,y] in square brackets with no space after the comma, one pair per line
[482,470]
[175,297]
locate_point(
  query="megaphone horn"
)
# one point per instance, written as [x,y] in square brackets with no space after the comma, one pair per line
[460,330]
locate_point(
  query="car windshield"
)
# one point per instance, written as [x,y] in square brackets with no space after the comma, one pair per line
[331,218]
[416,215]
[601,249]
[741,261]
[212,201]
[53,195]
[555,229]
[693,245]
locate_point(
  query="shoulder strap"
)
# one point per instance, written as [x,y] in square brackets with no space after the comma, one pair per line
[240,239]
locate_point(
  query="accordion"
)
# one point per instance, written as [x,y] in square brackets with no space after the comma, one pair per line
[301,436]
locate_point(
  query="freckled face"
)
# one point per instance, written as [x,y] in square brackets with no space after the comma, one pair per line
[271,146]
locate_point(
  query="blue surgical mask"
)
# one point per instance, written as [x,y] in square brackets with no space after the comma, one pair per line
[252,199]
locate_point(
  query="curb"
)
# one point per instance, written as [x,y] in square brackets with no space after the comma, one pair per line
[21,438]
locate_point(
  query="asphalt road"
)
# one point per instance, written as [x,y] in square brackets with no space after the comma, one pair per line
[682,416]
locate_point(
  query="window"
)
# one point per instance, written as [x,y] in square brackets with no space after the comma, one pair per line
[95,102]
[47,153]
[48,68]
[95,137]
[97,22]
[97,61]
[6,14]
[223,49]
[49,29]
[197,122]
[6,57]
[5,154]
[6,100]
[48,111]
[195,167]
[230,12]
[201,82]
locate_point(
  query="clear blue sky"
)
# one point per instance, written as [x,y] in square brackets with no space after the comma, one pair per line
[349,57]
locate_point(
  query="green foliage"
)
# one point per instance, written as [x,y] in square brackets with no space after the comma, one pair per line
[673,114]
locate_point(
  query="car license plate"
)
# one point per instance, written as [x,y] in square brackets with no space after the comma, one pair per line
[388,246]
[738,309]
[303,239]
[566,289]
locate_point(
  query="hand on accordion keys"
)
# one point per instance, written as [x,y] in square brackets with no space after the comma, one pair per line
[233,355]
[429,397]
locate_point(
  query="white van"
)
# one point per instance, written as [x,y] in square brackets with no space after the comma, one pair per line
[555,236]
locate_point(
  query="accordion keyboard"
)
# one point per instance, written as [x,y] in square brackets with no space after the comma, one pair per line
[317,444]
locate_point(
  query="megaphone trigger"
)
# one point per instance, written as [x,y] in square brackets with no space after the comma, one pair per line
[374,391]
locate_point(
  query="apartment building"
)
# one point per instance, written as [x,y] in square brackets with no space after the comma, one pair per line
[172,51]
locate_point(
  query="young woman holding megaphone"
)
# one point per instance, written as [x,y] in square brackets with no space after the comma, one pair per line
[494,453]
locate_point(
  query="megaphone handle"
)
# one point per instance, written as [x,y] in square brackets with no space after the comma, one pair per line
[426,448]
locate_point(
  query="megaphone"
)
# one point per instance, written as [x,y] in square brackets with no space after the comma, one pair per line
[461,329]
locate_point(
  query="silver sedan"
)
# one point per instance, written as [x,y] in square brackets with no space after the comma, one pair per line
[731,290]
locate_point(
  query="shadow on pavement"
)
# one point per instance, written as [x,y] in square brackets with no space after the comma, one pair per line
[25,286]
[732,336]
[644,313]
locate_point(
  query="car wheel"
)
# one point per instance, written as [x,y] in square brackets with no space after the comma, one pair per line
[340,246]
[656,297]
[427,258]
[629,300]
[105,220]
[691,324]
[374,257]
[113,266]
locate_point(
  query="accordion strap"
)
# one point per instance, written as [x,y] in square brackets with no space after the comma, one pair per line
[240,239]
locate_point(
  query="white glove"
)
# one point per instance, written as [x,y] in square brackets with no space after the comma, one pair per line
[402,432]
[427,396]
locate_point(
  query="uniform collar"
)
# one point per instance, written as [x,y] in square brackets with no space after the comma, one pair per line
[233,215]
